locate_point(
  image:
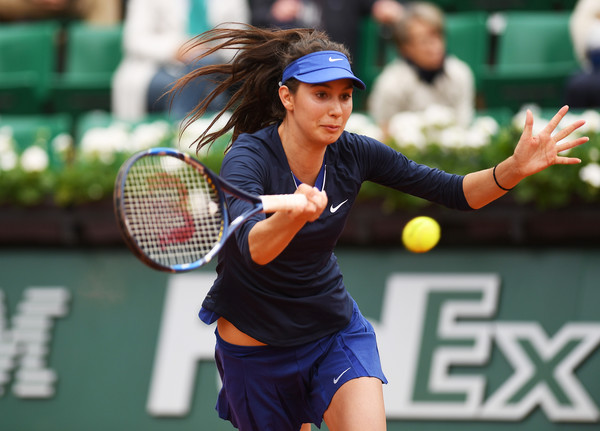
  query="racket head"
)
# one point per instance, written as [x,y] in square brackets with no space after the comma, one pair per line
[170,210]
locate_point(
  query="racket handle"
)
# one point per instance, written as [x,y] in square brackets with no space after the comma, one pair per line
[272,203]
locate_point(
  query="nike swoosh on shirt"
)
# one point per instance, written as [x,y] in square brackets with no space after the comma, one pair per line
[334,209]
[337,379]
[335,59]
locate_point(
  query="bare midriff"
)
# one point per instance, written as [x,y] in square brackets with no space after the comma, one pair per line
[229,333]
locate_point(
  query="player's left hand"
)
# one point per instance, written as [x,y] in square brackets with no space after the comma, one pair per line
[536,153]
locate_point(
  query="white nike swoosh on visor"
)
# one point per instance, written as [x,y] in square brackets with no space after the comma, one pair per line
[335,59]
[334,209]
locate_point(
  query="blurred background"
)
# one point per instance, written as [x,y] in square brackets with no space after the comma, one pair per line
[91,339]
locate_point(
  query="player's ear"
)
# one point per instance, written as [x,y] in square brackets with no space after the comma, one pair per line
[285,95]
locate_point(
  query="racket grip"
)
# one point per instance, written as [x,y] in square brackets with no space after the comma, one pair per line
[272,203]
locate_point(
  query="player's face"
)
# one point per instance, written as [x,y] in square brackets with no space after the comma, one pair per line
[321,111]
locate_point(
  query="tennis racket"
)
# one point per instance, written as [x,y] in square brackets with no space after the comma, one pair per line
[172,211]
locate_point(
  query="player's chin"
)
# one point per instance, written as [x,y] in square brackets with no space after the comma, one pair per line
[331,134]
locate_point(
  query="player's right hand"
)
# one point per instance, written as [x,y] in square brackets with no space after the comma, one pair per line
[316,203]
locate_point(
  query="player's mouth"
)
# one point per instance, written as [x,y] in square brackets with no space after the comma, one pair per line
[332,128]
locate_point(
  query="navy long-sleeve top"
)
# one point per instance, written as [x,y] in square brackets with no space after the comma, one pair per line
[300,296]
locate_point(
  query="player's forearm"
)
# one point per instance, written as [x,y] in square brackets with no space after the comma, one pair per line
[269,237]
[480,188]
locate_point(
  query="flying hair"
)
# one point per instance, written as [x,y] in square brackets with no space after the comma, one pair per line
[254,73]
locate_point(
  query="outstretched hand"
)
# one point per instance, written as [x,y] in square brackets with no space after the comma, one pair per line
[535,153]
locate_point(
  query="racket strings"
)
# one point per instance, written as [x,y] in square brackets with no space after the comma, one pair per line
[173,210]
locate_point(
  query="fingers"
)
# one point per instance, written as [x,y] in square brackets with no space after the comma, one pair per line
[571,144]
[528,129]
[319,201]
[562,134]
[567,161]
[553,124]
[316,202]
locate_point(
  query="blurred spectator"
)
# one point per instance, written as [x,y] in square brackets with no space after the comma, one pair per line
[583,88]
[585,14]
[154,54]
[340,19]
[424,75]
[105,12]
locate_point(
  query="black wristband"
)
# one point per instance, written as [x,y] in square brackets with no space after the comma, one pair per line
[496,180]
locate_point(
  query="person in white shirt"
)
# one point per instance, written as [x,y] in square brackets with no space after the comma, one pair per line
[423,75]
[154,57]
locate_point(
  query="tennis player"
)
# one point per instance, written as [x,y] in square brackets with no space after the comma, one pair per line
[292,347]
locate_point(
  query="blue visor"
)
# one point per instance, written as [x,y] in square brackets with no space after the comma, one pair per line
[321,66]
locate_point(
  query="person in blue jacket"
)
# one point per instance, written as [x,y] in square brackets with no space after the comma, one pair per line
[292,346]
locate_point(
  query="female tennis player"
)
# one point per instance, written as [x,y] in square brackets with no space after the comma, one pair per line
[292,346]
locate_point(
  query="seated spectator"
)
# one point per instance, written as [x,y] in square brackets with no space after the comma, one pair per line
[154,55]
[583,88]
[585,14]
[104,12]
[424,75]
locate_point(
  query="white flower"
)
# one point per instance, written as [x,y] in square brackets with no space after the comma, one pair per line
[6,139]
[34,159]
[192,132]
[438,116]
[357,122]
[591,174]
[196,129]
[102,143]
[592,121]
[475,138]
[62,143]
[8,160]
[486,125]
[362,124]
[406,129]
[453,137]
[538,122]
[148,135]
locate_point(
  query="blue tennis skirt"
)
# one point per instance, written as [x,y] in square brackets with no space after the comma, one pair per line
[271,388]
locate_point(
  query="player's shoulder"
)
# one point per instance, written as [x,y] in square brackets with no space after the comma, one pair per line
[261,142]
[356,146]
[255,151]
[262,137]
[351,139]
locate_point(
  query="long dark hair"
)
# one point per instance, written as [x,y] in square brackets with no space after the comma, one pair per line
[253,74]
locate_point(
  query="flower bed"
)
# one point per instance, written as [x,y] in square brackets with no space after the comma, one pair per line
[66,171]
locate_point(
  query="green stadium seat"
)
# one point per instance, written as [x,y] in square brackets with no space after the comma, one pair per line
[29,129]
[92,55]
[28,54]
[38,129]
[534,59]
[506,5]
[372,52]
[467,37]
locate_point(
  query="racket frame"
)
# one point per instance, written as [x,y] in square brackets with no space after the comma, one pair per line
[221,186]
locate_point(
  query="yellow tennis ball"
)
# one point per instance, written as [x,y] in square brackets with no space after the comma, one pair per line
[421,234]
